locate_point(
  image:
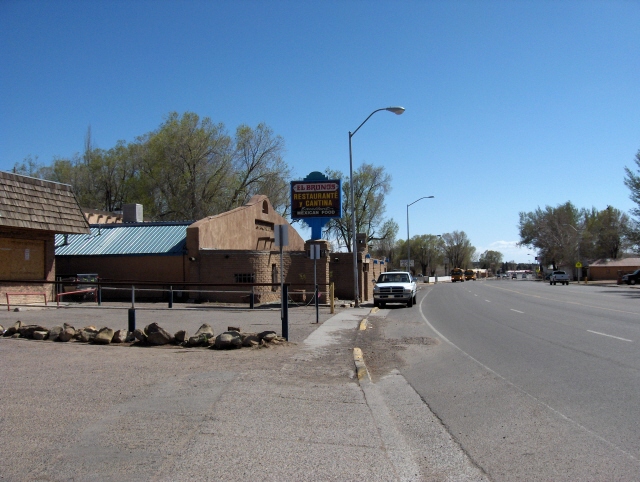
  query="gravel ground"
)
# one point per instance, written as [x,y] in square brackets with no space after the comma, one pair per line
[76,411]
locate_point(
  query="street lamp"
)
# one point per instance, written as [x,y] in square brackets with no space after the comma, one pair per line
[397,111]
[408,238]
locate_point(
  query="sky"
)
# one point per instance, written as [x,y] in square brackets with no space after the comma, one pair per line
[510,105]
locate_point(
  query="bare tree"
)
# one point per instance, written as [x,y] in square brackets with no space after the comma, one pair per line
[371,185]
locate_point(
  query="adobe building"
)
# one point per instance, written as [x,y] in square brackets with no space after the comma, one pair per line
[236,249]
[612,269]
[239,247]
[32,212]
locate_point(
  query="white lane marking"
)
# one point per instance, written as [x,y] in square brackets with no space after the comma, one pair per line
[488,301]
[610,336]
[475,295]
[522,312]
[520,389]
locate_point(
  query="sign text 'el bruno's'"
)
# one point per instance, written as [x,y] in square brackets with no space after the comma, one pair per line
[316,199]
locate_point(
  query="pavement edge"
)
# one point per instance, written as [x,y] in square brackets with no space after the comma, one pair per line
[358,358]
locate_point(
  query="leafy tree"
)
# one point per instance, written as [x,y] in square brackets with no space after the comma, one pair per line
[566,234]
[553,232]
[371,185]
[457,247]
[186,164]
[604,235]
[490,260]
[632,181]
[429,252]
[188,168]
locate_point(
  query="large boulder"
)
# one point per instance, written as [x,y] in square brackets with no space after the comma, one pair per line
[104,336]
[120,336]
[26,331]
[267,336]
[140,335]
[203,337]
[156,335]
[250,339]
[200,340]
[67,334]
[40,335]
[87,334]
[228,340]
[205,329]
[181,336]
[13,329]
[54,333]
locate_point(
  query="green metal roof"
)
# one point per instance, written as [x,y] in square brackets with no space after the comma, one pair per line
[126,239]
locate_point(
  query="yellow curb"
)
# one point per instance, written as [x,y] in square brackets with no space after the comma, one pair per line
[363,324]
[375,309]
[361,368]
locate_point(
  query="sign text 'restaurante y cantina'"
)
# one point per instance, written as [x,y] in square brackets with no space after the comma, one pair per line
[316,199]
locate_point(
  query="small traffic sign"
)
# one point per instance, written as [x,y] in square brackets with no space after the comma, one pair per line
[578,264]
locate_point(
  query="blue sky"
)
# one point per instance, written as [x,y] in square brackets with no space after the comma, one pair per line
[510,105]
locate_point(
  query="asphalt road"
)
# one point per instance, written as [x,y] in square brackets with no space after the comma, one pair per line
[535,382]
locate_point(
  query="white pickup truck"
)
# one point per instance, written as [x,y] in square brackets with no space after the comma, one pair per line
[559,277]
[395,287]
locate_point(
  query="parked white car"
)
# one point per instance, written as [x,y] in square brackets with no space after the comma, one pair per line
[395,287]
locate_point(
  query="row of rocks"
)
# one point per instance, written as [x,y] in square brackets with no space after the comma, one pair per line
[153,335]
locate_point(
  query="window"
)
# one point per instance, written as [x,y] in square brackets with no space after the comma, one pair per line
[245,278]
[265,207]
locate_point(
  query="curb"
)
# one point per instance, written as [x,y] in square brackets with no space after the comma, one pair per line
[361,368]
[358,358]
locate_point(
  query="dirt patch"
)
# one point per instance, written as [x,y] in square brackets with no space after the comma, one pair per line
[382,355]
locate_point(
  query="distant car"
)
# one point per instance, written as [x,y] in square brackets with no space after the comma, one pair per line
[631,278]
[514,276]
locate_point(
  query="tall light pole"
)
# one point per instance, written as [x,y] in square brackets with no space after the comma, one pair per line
[408,238]
[397,111]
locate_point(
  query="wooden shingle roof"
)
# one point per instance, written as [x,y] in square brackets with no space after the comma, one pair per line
[30,203]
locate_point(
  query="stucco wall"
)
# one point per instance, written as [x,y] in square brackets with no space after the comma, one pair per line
[249,227]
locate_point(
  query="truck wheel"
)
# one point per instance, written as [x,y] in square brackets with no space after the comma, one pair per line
[632,281]
[410,302]
[554,283]
[550,283]
[376,304]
